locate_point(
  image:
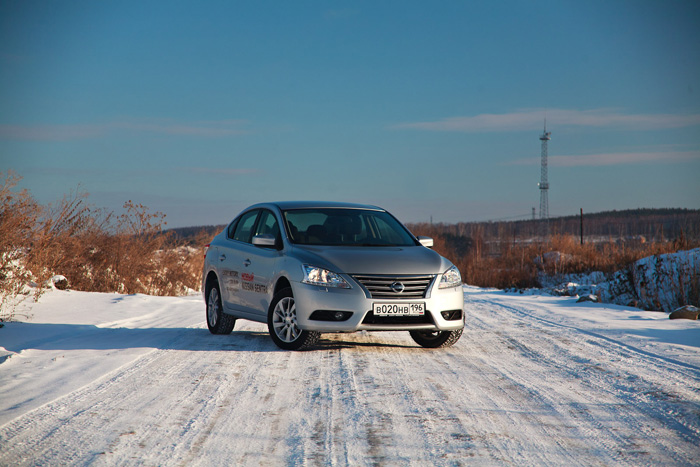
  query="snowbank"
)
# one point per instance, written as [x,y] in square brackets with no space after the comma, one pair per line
[660,282]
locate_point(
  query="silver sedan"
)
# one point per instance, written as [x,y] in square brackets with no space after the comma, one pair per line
[305,268]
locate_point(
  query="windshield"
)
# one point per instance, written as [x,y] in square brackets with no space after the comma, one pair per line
[347,227]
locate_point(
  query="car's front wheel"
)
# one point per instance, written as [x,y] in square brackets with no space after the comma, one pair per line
[436,339]
[283,326]
[218,322]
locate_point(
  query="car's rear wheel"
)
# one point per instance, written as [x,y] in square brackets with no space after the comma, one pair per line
[218,322]
[436,339]
[283,326]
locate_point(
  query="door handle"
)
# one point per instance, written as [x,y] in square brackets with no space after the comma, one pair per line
[246,263]
[222,258]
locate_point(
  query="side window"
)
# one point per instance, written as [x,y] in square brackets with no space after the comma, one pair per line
[231,228]
[244,228]
[268,225]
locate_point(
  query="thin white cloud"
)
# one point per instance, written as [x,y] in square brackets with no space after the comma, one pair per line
[131,174]
[609,159]
[206,128]
[50,132]
[222,171]
[532,120]
[221,128]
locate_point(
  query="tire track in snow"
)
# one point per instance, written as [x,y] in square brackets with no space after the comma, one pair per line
[620,375]
[514,390]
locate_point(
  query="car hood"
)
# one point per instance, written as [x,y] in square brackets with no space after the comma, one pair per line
[374,260]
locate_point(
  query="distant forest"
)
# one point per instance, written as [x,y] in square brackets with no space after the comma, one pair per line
[639,225]
[633,225]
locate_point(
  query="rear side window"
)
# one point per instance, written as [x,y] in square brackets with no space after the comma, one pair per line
[244,228]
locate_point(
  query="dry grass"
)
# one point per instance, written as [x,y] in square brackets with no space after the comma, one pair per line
[519,264]
[18,215]
[95,250]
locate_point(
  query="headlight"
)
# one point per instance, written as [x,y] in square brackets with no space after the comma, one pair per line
[323,277]
[451,278]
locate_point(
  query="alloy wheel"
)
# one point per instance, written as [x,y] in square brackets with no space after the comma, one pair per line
[284,320]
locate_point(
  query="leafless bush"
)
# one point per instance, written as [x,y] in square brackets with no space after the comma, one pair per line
[94,249]
[130,253]
[504,261]
[56,236]
[18,215]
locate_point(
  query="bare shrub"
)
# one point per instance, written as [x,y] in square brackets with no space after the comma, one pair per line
[130,253]
[513,267]
[506,261]
[18,215]
[56,236]
[94,249]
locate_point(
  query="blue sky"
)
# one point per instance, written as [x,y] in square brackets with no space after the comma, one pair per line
[198,109]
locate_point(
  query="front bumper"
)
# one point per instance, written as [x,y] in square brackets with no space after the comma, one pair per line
[310,298]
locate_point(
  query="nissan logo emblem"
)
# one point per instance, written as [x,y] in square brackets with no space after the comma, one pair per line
[397,287]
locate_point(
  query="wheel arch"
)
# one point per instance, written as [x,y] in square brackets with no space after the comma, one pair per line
[282,283]
[212,279]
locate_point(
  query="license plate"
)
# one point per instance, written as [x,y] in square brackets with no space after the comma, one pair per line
[398,309]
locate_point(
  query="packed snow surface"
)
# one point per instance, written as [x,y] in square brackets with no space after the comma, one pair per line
[108,379]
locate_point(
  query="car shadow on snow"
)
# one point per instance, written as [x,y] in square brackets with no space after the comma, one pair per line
[339,341]
[16,337]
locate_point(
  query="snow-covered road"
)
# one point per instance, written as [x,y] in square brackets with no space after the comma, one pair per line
[119,380]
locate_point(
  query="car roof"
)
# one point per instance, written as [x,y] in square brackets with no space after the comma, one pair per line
[285,205]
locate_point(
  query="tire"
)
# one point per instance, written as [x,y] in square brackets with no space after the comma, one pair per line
[218,322]
[282,323]
[436,339]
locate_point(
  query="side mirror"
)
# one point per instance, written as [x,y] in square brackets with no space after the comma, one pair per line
[264,240]
[425,241]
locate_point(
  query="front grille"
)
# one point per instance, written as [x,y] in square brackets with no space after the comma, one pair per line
[381,286]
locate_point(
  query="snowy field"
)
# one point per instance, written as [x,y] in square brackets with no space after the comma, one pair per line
[106,379]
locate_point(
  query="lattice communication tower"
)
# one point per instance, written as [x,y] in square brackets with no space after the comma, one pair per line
[544,184]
